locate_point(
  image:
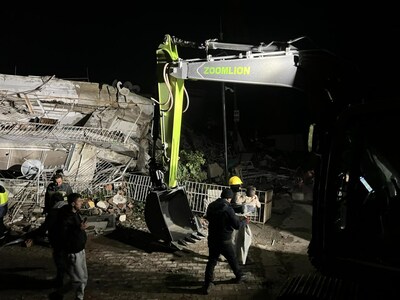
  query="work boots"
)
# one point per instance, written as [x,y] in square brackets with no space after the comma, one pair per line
[241,278]
[207,288]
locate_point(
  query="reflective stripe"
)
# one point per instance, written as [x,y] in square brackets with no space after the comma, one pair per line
[3,198]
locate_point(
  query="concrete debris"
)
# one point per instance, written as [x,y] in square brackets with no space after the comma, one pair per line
[119,199]
[215,170]
[102,204]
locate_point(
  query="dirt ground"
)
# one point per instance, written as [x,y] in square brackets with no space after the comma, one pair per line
[286,237]
[136,269]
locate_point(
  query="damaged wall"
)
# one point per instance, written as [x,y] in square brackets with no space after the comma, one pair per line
[82,166]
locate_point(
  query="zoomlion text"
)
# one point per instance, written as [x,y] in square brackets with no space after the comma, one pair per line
[227,70]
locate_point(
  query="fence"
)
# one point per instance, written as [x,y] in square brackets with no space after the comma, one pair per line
[202,194]
[199,195]
[135,188]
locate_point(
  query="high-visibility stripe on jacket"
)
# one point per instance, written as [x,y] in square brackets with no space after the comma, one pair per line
[3,198]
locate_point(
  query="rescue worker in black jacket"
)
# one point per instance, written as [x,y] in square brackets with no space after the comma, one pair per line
[51,227]
[72,242]
[222,220]
[56,186]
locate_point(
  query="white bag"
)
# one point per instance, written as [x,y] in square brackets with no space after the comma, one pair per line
[243,242]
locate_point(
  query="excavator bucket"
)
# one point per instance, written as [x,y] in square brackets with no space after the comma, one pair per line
[169,217]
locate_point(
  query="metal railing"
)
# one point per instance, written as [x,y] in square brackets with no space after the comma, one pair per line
[22,131]
[200,195]
[136,188]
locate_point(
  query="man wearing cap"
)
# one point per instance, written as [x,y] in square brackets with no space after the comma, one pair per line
[222,220]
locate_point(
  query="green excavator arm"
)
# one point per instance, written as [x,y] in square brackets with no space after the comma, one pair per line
[171,96]
[167,210]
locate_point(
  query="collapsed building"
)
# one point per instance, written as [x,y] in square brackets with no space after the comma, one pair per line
[96,134]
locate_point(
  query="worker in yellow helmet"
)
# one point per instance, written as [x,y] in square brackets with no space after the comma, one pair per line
[235,183]
[3,210]
[241,238]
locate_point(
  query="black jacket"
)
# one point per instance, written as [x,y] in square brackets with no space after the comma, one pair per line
[64,190]
[222,220]
[54,231]
[72,237]
[52,225]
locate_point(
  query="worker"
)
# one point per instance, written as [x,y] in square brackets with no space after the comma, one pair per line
[71,241]
[222,221]
[3,210]
[49,226]
[235,184]
[241,238]
[56,186]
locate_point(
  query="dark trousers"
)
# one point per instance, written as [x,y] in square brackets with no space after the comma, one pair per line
[216,249]
[3,227]
[59,258]
[3,212]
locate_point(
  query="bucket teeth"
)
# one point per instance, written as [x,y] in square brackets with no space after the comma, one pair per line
[195,236]
[201,234]
[182,242]
[190,240]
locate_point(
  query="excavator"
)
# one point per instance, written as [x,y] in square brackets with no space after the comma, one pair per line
[355,226]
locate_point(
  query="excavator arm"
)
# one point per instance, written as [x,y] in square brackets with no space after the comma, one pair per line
[262,65]
[276,64]
[170,105]
[167,211]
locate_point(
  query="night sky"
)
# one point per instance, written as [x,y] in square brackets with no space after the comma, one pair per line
[116,42]
[113,42]
[104,45]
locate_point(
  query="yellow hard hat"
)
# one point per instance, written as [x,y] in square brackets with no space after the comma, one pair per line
[235,180]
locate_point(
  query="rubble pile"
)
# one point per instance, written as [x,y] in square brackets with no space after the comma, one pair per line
[127,214]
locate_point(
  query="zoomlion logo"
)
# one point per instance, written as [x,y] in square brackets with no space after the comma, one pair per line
[226,70]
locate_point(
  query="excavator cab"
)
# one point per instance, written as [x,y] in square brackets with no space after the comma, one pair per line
[356,201]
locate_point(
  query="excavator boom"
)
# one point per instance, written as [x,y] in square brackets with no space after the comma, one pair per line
[276,64]
[270,68]
[167,211]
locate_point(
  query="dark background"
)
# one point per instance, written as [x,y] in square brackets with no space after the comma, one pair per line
[109,42]
[119,42]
